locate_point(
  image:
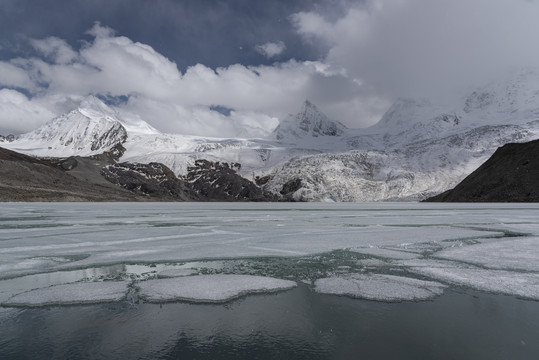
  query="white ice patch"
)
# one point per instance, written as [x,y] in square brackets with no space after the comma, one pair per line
[379,287]
[510,254]
[172,273]
[505,282]
[70,294]
[209,288]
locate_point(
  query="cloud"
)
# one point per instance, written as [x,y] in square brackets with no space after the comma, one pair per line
[401,47]
[56,49]
[19,114]
[172,101]
[13,76]
[100,32]
[372,52]
[271,49]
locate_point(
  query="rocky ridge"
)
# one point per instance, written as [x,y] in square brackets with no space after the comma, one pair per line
[511,174]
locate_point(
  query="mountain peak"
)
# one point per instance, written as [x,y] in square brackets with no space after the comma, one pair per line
[92,107]
[508,97]
[90,129]
[309,122]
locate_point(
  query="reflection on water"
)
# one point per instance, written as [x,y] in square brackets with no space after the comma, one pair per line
[293,324]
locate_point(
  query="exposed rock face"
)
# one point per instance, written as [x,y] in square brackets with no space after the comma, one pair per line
[8,138]
[220,182]
[101,178]
[290,188]
[510,175]
[152,180]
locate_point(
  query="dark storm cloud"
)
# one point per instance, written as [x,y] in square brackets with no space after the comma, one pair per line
[211,32]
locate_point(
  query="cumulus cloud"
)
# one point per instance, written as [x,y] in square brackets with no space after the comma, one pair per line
[271,49]
[56,49]
[19,114]
[166,98]
[13,76]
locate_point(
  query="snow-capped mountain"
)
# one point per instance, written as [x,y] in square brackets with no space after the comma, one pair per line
[308,123]
[90,129]
[419,148]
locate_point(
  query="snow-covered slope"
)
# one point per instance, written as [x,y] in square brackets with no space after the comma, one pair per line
[414,172]
[419,148]
[90,129]
[308,123]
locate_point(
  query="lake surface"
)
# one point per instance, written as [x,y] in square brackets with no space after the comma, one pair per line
[369,281]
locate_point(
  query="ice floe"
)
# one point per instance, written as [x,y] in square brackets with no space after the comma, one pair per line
[525,285]
[513,254]
[172,273]
[209,288]
[379,287]
[69,294]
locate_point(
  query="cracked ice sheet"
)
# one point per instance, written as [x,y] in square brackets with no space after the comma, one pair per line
[379,287]
[133,244]
[509,254]
[70,294]
[209,288]
[515,283]
[525,228]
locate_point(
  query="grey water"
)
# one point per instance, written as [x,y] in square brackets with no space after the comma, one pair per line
[296,324]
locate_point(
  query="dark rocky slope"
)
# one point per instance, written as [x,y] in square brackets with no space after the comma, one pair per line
[510,175]
[25,178]
[152,180]
[102,178]
[214,181]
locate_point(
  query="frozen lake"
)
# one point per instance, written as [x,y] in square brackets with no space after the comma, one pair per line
[206,280]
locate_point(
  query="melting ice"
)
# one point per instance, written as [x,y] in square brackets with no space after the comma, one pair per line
[80,253]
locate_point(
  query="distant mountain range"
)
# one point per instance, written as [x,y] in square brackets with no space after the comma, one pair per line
[418,149]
